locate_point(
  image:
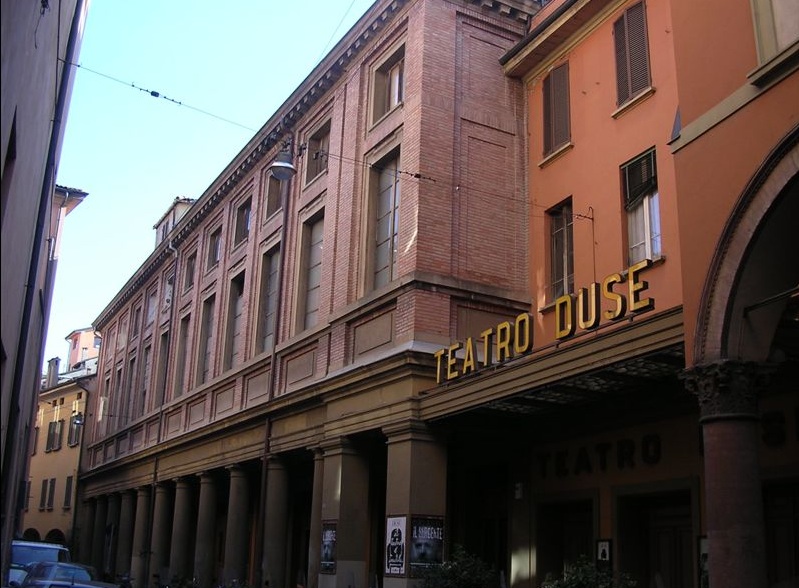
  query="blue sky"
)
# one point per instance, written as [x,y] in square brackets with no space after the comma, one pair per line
[134,154]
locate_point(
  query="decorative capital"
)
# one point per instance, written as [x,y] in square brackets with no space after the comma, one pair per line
[727,389]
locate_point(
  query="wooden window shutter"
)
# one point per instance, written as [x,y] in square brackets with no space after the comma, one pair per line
[640,179]
[632,53]
[556,109]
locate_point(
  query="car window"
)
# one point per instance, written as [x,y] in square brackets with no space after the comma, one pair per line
[25,554]
[71,574]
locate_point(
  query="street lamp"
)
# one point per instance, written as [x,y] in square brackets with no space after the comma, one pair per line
[282,167]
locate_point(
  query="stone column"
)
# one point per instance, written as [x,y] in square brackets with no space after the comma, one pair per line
[98,535]
[204,556]
[141,539]
[180,552]
[314,546]
[161,534]
[125,541]
[345,495]
[86,530]
[112,536]
[416,485]
[728,402]
[237,530]
[275,522]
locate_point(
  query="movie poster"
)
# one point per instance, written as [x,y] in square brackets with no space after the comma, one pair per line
[328,556]
[395,546]
[426,543]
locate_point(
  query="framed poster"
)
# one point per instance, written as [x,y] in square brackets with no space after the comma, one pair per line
[604,554]
[328,554]
[426,543]
[395,546]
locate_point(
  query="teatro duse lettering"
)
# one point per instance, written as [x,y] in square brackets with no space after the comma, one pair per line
[511,339]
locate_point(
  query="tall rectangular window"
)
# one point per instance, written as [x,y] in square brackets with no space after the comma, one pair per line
[316,154]
[242,229]
[54,435]
[268,305]
[235,323]
[181,369]
[43,496]
[205,359]
[144,381]
[386,223]
[51,493]
[272,197]
[75,429]
[131,390]
[191,267]
[68,493]
[389,84]
[152,304]
[160,374]
[561,251]
[214,249]
[312,264]
[169,289]
[557,125]
[641,201]
[135,322]
[632,53]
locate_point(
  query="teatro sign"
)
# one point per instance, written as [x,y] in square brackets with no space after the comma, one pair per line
[509,340]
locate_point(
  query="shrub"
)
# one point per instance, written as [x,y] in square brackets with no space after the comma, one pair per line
[462,570]
[584,574]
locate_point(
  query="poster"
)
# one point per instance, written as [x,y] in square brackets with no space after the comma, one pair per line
[395,546]
[426,543]
[328,556]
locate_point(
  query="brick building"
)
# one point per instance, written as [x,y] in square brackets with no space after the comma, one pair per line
[260,373]
[544,349]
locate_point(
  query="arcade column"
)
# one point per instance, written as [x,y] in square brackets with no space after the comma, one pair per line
[112,535]
[125,543]
[728,401]
[345,520]
[141,539]
[98,535]
[314,546]
[86,529]
[416,488]
[162,532]
[236,533]
[181,549]
[206,532]
[276,523]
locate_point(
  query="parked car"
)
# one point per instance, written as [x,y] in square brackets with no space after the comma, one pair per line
[24,553]
[53,574]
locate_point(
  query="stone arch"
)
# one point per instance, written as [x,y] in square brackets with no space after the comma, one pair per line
[31,534]
[56,536]
[754,262]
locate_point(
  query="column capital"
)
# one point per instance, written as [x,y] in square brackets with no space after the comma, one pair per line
[727,389]
[412,429]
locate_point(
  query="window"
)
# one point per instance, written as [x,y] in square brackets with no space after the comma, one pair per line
[235,322]
[191,266]
[144,382]
[97,341]
[389,84]
[386,190]
[205,363]
[54,435]
[557,126]
[135,327]
[640,192]
[152,304]
[313,235]
[316,154]
[214,248]
[169,288]
[75,428]
[68,493]
[269,291]
[776,26]
[561,250]
[160,374]
[27,500]
[43,495]
[273,200]
[51,494]
[243,221]
[180,361]
[632,53]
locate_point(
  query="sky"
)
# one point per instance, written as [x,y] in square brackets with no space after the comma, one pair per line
[221,69]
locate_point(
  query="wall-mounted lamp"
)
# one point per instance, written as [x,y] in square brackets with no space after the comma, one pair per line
[282,167]
[78,419]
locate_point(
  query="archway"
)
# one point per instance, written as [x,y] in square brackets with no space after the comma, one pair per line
[56,536]
[31,534]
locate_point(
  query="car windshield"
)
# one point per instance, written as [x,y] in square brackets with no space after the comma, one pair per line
[25,554]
